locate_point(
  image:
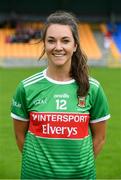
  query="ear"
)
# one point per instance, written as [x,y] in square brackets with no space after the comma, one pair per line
[75,47]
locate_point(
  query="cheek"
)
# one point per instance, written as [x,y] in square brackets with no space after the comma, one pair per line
[71,50]
[48,48]
[71,47]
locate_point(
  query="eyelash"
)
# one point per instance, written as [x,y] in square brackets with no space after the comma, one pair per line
[64,41]
[51,41]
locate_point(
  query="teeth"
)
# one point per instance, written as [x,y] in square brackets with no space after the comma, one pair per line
[58,55]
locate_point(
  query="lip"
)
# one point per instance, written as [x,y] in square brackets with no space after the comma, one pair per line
[58,55]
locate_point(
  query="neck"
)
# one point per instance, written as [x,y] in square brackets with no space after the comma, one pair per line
[58,74]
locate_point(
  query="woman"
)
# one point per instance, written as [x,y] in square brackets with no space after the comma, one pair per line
[60,113]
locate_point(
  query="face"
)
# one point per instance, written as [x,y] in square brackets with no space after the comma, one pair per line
[59,45]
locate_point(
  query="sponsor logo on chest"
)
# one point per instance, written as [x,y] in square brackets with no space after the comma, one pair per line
[59,125]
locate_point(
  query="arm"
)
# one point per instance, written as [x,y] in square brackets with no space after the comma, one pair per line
[20,129]
[98,136]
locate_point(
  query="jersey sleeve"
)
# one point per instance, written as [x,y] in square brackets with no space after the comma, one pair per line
[100,108]
[18,106]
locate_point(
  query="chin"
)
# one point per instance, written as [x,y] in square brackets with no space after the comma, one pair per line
[59,63]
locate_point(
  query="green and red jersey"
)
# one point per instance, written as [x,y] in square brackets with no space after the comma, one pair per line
[58,143]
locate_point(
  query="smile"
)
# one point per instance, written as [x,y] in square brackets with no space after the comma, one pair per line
[58,55]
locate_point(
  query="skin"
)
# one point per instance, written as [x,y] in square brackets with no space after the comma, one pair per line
[59,48]
[20,129]
[98,136]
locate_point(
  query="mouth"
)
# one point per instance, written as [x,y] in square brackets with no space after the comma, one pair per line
[58,55]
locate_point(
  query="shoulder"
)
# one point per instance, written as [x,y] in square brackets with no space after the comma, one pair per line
[96,90]
[93,82]
[33,79]
[95,87]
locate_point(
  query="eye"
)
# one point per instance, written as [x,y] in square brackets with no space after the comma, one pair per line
[66,41]
[51,41]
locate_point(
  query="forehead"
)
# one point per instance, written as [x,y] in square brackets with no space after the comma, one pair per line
[58,30]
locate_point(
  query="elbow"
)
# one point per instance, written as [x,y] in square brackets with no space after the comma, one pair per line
[20,141]
[102,138]
[98,144]
[102,141]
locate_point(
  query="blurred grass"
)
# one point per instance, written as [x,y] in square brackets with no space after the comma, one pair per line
[108,162]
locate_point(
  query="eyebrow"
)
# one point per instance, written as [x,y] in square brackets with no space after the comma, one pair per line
[65,37]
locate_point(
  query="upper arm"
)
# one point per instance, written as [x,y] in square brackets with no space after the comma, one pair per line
[20,127]
[98,129]
[99,106]
[19,108]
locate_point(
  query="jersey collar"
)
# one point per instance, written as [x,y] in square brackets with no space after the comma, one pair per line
[57,82]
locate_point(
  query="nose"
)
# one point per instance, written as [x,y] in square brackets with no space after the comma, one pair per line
[58,45]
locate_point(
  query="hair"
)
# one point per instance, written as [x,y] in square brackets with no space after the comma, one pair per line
[79,68]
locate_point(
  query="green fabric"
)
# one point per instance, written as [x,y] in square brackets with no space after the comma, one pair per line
[58,143]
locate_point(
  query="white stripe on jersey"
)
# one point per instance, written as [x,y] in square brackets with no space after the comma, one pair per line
[100,119]
[94,81]
[33,78]
[34,81]
[37,74]
[14,116]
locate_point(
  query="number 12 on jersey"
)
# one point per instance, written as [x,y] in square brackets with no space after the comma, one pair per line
[61,104]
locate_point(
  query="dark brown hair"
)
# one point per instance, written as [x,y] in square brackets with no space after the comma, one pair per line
[79,68]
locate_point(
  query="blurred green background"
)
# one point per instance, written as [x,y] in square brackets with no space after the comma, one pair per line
[108,163]
[12,12]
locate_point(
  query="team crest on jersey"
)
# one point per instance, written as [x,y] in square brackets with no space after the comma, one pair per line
[81,101]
